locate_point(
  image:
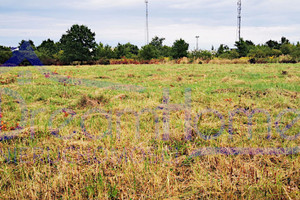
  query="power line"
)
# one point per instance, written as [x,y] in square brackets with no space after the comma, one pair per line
[147,23]
[239,18]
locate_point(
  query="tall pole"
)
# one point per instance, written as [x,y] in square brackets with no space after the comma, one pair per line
[197,47]
[147,23]
[239,18]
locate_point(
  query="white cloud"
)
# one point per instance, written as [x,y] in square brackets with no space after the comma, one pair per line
[69,4]
[124,20]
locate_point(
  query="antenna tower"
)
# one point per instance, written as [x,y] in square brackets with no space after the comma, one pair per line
[147,23]
[239,18]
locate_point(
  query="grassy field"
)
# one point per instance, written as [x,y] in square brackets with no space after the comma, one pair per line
[99,138]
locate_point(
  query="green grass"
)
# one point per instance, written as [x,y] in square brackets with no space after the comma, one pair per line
[122,166]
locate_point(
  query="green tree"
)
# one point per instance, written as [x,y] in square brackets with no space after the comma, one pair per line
[180,49]
[276,52]
[30,42]
[166,51]
[258,52]
[157,42]
[162,50]
[296,53]
[104,52]
[148,52]
[273,44]
[5,54]
[78,44]
[202,54]
[233,54]
[244,47]
[222,49]
[284,40]
[127,50]
[286,48]
[49,48]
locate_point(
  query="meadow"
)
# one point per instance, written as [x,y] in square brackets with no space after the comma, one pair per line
[150,132]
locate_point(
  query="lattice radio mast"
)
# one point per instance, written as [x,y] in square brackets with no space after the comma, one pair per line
[239,18]
[147,23]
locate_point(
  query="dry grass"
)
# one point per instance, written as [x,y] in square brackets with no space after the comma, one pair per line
[113,158]
[228,61]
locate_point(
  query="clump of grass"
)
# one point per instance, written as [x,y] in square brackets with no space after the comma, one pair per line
[103,77]
[89,101]
[7,80]
[179,78]
[226,79]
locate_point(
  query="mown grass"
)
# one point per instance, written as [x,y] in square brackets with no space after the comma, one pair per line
[121,164]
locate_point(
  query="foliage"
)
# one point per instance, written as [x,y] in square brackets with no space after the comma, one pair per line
[105,52]
[222,49]
[244,47]
[162,50]
[273,44]
[180,49]
[78,44]
[148,52]
[201,54]
[286,48]
[5,54]
[296,53]
[126,50]
[232,54]
[30,42]
[48,48]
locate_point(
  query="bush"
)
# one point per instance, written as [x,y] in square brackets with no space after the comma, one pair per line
[180,49]
[202,54]
[148,52]
[233,54]
[296,54]
[4,56]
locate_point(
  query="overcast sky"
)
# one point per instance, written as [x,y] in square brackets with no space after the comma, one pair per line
[215,21]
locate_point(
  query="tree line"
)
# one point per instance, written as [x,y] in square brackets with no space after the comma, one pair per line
[78,45]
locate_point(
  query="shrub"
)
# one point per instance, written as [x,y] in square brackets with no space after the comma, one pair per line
[4,56]
[202,54]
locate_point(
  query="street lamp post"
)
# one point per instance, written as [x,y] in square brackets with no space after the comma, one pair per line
[197,37]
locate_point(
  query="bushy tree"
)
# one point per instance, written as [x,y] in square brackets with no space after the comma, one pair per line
[162,50]
[296,53]
[202,54]
[78,44]
[104,52]
[5,54]
[166,51]
[258,52]
[30,42]
[127,50]
[49,48]
[284,40]
[286,48]
[276,52]
[157,42]
[232,54]
[244,47]
[273,44]
[148,52]
[180,49]
[222,49]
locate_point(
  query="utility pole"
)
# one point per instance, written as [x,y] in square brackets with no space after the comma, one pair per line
[147,23]
[197,47]
[239,18]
